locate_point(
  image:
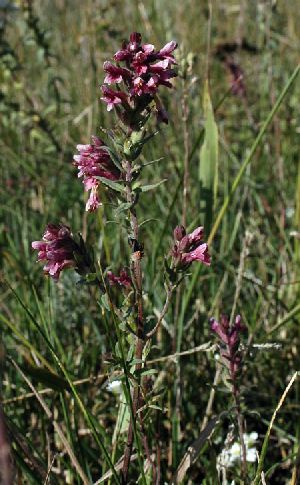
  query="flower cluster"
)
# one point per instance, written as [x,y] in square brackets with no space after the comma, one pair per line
[229,336]
[92,162]
[145,70]
[57,248]
[188,248]
[122,280]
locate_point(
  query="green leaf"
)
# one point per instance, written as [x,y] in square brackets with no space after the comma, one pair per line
[209,149]
[149,372]
[152,161]
[111,184]
[105,302]
[146,188]
[123,207]
[123,418]
[208,161]
[152,219]
[115,159]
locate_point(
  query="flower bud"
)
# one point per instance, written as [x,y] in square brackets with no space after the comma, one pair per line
[179,233]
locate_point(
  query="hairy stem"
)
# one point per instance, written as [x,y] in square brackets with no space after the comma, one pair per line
[240,421]
[137,282]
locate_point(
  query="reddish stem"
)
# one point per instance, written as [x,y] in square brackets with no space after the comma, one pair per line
[137,281]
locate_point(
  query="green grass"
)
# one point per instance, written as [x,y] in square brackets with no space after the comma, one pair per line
[60,334]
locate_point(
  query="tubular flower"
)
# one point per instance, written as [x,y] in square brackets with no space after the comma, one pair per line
[92,162]
[146,69]
[123,279]
[57,249]
[112,97]
[230,339]
[188,248]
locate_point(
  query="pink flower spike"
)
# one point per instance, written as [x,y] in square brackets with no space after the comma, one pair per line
[57,249]
[145,71]
[229,336]
[217,328]
[187,248]
[94,161]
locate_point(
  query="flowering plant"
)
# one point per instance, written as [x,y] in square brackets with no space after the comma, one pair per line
[138,74]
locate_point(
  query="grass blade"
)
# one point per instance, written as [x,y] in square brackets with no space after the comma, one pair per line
[266,440]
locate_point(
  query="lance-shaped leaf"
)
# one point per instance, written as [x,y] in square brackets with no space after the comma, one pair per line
[208,162]
[112,184]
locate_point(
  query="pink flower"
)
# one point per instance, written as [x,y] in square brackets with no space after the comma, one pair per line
[94,161]
[134,41]
[112,97]
[165,52]
[115,74]
[139,86]
[122,280]
[146,69]
[198,254]
[196,236]
[188,248]
[93,201]
[57,249]
[128,49]
[229,337]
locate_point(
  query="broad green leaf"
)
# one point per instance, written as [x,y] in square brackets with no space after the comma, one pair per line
[208,162]
[209,149]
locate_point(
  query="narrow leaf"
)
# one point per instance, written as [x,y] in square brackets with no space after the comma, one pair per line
[208,161]
[111,184]
[146,188]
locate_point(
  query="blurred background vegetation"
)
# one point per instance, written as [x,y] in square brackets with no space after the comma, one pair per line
[51,57]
